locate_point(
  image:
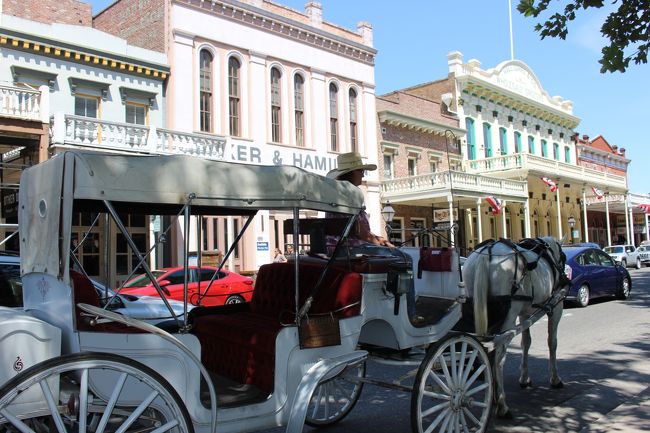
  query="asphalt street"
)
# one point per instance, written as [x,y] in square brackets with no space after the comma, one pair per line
[603,353]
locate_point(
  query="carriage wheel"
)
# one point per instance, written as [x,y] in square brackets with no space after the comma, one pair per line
[453,387]
[334,399]
[76,408]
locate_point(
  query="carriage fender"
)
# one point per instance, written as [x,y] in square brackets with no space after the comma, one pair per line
[323,370]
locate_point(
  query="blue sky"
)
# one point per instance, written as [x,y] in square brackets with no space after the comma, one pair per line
[413,38]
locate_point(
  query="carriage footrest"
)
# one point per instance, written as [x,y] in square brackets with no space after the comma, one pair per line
[430,310]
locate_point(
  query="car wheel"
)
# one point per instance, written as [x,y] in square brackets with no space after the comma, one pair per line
[638,263]
[624,289]
[235,299]
[583,296]
[624,263]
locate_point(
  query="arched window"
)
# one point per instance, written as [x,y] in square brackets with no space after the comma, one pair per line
[531,144]
[487,139]
[334,139]
[517,142]
[352,97]
[544,149]
[503,141]
[567,154]
[556,151]
[299,108]
[276,106]
[471,141]
[233,96]
[205,95]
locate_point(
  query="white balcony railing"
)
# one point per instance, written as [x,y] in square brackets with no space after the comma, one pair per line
[20,103]
[546,167]
[78,131]
[428,185]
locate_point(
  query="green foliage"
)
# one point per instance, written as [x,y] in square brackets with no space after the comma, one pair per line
[627,29]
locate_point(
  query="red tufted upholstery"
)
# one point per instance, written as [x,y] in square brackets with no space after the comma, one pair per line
[241,345]
[85,293]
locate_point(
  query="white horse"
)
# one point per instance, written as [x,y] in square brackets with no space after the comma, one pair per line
[525,277]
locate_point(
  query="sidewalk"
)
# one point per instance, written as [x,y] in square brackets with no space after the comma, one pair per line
[631,417]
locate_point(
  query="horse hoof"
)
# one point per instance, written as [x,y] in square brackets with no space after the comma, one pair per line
[557,385]
[506,415]
[527,384]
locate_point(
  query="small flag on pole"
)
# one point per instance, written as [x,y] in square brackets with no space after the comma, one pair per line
[645,207]
[495,203]
[550,182]
[599,193]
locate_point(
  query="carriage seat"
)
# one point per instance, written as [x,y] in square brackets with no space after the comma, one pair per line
[238,341]
[85,293]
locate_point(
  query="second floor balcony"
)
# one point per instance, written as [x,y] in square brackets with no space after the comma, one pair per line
[523,164]
[21,103]
[439,186]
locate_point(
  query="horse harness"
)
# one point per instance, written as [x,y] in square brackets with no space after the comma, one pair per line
[542,250]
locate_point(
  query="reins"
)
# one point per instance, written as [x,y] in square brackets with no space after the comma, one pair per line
[537,246]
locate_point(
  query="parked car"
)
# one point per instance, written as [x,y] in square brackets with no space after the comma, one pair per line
[149,309]
[625,255]
[593,274]
[644,254]
[227,288]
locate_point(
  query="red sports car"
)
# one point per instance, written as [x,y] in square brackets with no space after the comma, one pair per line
[227,287]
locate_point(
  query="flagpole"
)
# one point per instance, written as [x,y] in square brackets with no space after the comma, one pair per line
[512,47]
[585,224]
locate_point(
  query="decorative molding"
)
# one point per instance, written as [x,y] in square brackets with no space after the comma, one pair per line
[285,27]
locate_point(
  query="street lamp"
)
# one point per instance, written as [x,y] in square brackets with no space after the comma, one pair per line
[572,224]
[388,213]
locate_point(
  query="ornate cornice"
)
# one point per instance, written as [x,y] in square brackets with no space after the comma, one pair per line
[256,17]
[404,121]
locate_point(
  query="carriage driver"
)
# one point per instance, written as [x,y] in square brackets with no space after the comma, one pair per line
[351,168]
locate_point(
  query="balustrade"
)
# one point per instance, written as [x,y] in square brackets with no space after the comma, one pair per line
[20,103]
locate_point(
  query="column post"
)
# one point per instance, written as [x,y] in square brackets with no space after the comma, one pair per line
[479,225]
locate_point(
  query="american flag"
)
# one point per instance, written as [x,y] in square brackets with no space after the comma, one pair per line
[495,203]
[645,207]
[599,193]
[550,182]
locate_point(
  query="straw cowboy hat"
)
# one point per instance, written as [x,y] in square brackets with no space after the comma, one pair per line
[348,162]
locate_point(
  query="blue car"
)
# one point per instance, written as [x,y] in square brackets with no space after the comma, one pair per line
[594,274]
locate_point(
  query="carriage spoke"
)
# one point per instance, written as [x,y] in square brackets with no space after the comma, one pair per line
[434,409]
[137,412]
[461,364]
[476,374]
[476,389]
[83,401]
[453,364]
[445,425]
[437,421]
[51,404]
[111,403]
[15,422]
[445,371]
[436,395]
[471,361]
[317,402]
[471,416]
[463,421]
[344,398]
[440,383]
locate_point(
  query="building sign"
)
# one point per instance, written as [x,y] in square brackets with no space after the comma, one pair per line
[239,151]
[262,246]
[9,203]
[441,218]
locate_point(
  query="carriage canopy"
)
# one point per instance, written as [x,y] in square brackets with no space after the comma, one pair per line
[157,185]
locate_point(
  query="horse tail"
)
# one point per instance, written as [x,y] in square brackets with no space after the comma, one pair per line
[480,289]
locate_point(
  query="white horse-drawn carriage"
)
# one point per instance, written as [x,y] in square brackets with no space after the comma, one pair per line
[295,354]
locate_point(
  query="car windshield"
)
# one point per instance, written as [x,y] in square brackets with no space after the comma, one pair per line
[614,250]
[643,248]
[143,280]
